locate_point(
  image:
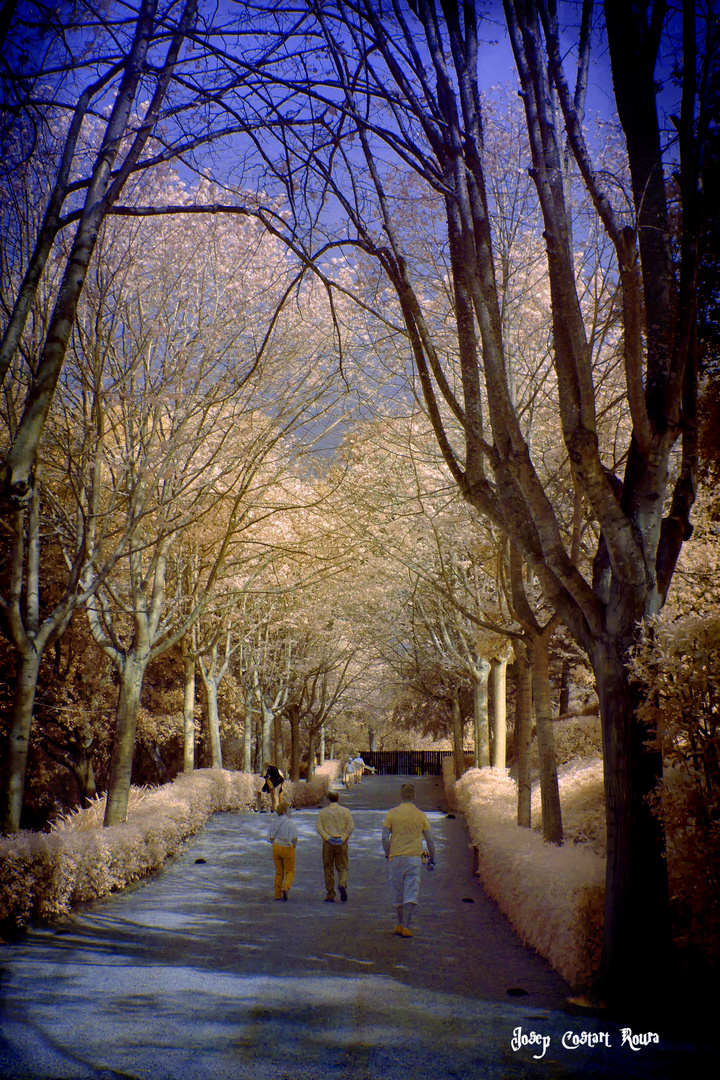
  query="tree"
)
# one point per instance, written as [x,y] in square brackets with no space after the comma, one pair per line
[193,431]
[142,58]
[32,624]
[400,86]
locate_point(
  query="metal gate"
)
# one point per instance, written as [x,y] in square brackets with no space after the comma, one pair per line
[406,762]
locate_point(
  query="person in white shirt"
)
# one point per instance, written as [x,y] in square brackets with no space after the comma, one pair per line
[335,826]
[359,769]
[283,835]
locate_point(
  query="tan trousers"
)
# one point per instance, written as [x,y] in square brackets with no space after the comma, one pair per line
[284,858]
[334,856]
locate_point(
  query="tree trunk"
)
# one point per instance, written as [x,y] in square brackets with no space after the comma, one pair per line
[131,680]
[19,742]
[158,761]
[247,731]
[311,755]
[189,715]
[458,749]
[499,673]
[523,732]
[564,702]
[278,739]
[482,727]
[322,745]
[213,719]
[294,744]
[267,725]
[85,776]
[549,789]
[636,890]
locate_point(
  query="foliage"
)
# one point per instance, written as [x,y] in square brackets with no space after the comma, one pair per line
[678,665]
[575,737]
[311,792]
[582,794]
[45,874]
[553,896]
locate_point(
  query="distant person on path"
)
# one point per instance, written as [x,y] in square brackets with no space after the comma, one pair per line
[403,831]
[348,772]
[358,769]
[283,836]
[273,785]
[335,825]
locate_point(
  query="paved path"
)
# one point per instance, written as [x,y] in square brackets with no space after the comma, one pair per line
[198,974]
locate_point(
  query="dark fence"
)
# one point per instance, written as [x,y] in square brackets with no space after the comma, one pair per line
[406,762]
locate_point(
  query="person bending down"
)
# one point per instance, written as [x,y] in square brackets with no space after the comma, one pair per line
[402,836]
[273,785]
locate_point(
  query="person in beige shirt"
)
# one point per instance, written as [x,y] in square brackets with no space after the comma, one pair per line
[404,828]
[335,825]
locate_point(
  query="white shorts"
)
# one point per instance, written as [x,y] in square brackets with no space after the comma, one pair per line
[405,879]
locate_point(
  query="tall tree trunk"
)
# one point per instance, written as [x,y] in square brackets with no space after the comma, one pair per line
[211,697]
[482,726]
[549,789]
[120,778]
[458,749]
[294,718]
[247,731]
[189,714]
[499,675]
[30,639]
[85,776]
[19,742]
[267,725]
[278,740]
[311,754]
[322,744]
[564,702]
[523,732]
[636,890]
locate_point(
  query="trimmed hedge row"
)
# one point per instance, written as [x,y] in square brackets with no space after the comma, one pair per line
[43,875]
[553,896]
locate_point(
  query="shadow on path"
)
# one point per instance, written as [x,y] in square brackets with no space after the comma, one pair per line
[198,972]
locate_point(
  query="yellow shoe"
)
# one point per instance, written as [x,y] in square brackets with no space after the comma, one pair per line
[398,929]
[405,932]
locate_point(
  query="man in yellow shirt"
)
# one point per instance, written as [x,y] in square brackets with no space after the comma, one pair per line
[335,825]
[402,836]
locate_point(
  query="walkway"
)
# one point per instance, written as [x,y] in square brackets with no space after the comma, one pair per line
[198,974]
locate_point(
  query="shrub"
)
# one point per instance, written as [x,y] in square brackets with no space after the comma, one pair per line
[575,737]
[678,664]
[582,798]
[45,874]
[553,896]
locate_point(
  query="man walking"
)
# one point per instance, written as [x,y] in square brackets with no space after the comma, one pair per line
[403,831]
[358,769]
[335,825]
